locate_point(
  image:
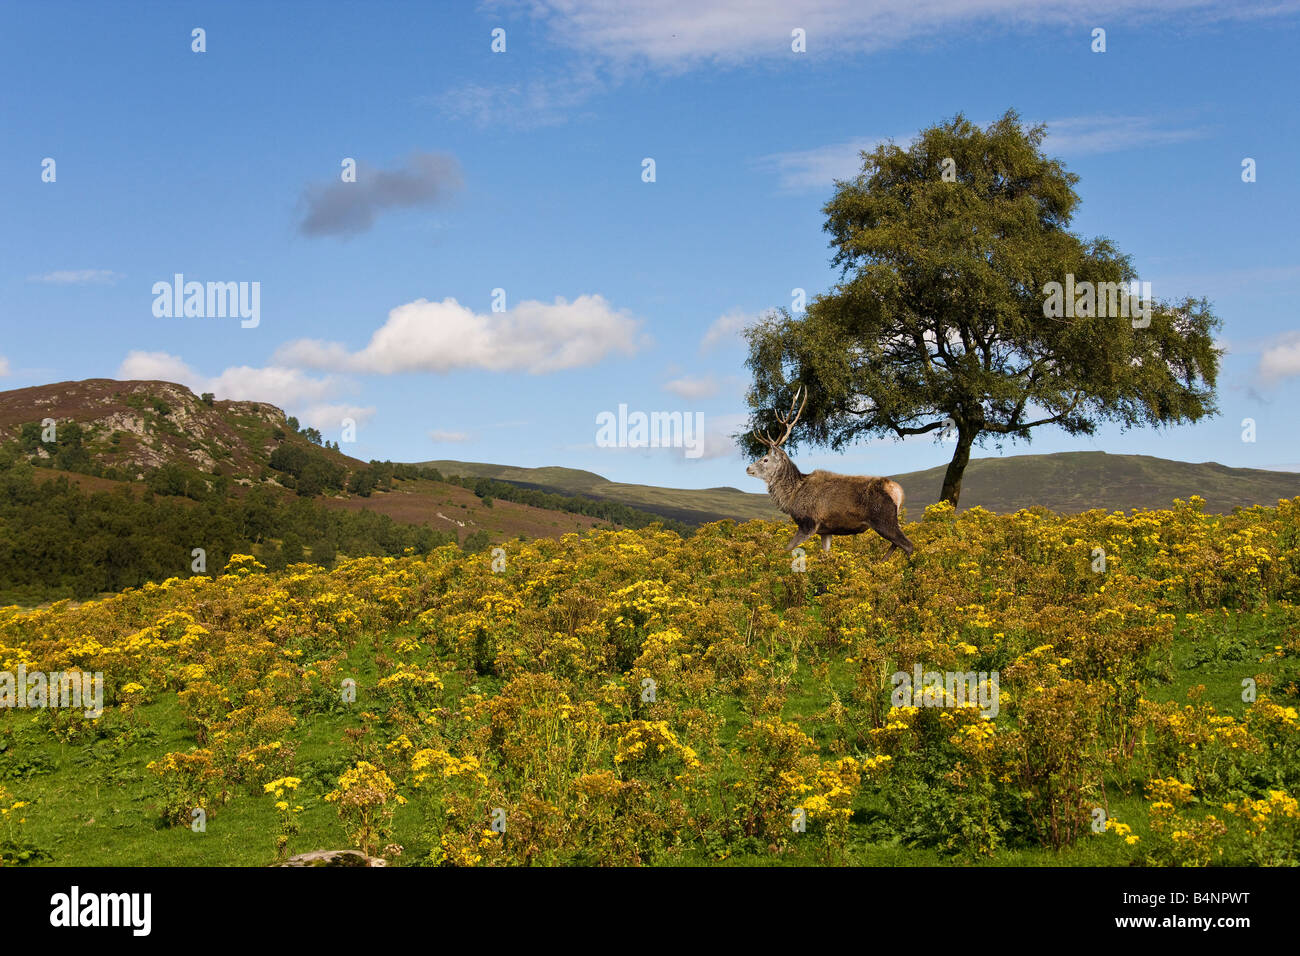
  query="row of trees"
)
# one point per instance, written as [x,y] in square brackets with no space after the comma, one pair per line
[58,541]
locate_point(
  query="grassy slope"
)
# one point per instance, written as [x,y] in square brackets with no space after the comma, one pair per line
[1067,482]
[685,504]
[410,502]
[92,805]
[423,502]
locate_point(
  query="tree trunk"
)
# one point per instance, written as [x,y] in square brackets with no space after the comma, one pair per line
[957,467]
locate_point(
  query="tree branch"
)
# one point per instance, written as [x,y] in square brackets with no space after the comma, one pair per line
[1007,428]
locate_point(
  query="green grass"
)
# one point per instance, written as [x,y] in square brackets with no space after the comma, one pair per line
[93,804]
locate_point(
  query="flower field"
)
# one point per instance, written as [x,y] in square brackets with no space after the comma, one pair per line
[635,697]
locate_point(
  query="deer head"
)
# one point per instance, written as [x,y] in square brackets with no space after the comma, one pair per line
[775,461]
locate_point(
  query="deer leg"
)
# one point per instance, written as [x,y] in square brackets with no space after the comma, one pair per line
[826,543]
[803,535]
[892,533]
[899,540]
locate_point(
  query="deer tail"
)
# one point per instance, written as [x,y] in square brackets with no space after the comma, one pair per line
[895,491]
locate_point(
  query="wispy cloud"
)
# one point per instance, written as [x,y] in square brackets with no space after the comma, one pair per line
[693,388]
[535,337]
[675,35]
[1084,135]
[442,436]
[340,208]
[78,277]
[820,166]
[618,40]
[526,104]
[718,440]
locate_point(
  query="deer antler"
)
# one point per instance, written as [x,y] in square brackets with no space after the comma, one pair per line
[788,421]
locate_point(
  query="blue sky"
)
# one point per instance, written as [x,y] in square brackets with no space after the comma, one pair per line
[522,171]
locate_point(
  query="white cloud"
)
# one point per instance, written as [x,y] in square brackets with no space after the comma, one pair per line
[156,366]
[78,277]
[726,330]
[4,366]
[1281,359]
[274,384]
[287,388]
[678,34]
[535,337]
[693,388]
[442,436]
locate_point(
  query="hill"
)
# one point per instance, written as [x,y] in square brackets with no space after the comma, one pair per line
[1065,482]
[1071,482]
[693,506]
[133,436]
[132,427]
[107,485]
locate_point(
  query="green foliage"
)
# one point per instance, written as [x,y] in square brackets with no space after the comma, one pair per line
[476,542]
[312,473]
[57,541]
[378,476]
[67,452]
[174,479]
[938,320]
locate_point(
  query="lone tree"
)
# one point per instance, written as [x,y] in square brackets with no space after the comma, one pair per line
[945,318]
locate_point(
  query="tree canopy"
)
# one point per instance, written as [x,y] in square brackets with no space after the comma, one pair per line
[945,320]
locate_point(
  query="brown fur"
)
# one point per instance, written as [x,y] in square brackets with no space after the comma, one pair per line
[824,503]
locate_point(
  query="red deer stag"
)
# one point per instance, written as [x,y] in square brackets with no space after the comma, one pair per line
[825,503]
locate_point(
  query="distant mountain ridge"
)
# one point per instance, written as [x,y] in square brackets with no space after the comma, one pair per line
[1067,482]
[694,506]
[133,427]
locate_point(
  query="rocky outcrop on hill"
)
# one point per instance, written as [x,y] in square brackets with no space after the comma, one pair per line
[141,425]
